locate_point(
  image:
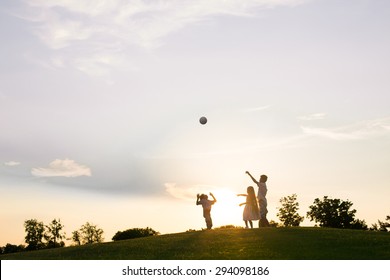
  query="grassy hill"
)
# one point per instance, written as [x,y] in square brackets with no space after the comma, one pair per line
[301,243]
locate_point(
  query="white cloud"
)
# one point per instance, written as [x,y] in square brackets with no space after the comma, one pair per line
[12,163]
[256,109]
[317,116]
[97,65]
[62,168]
[330,133]
[360,130]
[90,7]
[62,33]
[90,28]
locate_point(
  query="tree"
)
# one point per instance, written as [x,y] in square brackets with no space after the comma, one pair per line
[76,237]
[134,233]
[10,248]
[35,232]
[332,213]
[54,234]
[359,224]
[90,233]
[288,214]
[382,225]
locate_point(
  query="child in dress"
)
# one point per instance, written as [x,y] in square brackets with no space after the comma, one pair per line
[261,197]
[206,204]
[251,209]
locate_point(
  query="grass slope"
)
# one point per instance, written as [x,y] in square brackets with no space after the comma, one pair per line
[300,243]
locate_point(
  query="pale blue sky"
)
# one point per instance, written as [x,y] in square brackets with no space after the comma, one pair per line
[100,102]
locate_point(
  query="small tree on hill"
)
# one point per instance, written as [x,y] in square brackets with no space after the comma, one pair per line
[76,237]
[54,234]
[383,226]
[288,214]
[332,213]
[90,233]
[35,233]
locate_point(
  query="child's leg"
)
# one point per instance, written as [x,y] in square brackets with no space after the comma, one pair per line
[246,223]
[209,222]
[250,222]
[207,217]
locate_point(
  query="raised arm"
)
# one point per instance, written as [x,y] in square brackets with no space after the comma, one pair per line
[197,199]
[250,175]
[215,200]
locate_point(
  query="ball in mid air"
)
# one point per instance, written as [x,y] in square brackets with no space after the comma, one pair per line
[203,120]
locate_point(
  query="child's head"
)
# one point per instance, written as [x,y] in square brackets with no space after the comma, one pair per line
[263,178]
[203,196]
[250,190]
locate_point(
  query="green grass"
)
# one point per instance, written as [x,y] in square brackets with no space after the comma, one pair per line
[300,243]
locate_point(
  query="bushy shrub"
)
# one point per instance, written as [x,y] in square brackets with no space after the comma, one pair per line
[228,227]
[134,233]
[10,248]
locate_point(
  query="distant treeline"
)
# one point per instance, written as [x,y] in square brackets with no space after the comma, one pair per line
[326,212]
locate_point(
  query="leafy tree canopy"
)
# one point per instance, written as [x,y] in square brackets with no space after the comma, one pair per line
[288,213]
[34,234]
[334,213]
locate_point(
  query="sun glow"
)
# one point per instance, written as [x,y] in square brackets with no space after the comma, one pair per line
[226,211]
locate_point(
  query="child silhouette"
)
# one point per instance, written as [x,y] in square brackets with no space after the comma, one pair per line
[261,197]
[206,204]
[251,210]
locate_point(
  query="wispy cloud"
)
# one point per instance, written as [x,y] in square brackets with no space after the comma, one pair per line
[335,134]
[12,163]
[139,21]
[97,65]
[316,116]
[86,29]
[257,109]
[359,130]
[187,192]
[62,168]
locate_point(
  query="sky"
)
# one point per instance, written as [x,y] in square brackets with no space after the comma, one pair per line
[100,103]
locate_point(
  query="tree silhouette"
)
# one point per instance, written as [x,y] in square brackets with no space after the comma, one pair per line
[89,233]
[10,248]
[288,214]
[382,225]
[35,233]
[54,234]
[332,213]
[76,237]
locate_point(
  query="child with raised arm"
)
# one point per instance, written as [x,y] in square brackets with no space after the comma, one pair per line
[251,210]
[261,197]
[206,204]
